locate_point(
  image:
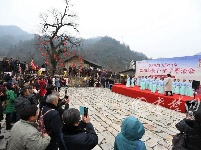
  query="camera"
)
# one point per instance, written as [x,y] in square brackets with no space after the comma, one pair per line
[66,96]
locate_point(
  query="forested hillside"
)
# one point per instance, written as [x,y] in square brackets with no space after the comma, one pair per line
[110,53]
[106,51]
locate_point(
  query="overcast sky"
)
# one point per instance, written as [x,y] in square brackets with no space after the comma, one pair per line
[157,28]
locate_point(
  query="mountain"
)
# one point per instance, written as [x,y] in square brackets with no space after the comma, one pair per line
[198,53]
[11,35]
[11,30]
[105,51]
[110,53]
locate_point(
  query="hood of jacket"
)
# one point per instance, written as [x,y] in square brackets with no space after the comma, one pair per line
[132,129]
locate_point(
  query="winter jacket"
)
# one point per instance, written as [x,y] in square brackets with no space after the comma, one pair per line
[53,124]
[193,133]
[76,138]
[25,136]
[20,103]
[132,131]
[10,102]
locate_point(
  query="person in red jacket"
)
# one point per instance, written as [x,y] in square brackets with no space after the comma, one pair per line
[42,92]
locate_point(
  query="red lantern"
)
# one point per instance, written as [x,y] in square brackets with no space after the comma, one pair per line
[43,54]
[64,43]
[64,50]
[41,48]
[38,43]
[55,55]
[46,61]
[74,52]
[69,54]
[46,53]
[64,54]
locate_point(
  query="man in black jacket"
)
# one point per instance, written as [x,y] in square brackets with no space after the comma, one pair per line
[22,101]
[77,135]
[52,121]
[192,129]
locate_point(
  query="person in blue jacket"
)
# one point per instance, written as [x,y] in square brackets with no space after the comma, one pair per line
[138,80]
[178,86]
[189,89]
[154,85]
[132,131]
[132,82]
[161,86]
[174,86]
[142,83]
[150,83]
[128,81]
[183,87]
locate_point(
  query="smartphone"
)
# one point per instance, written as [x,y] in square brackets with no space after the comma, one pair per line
[66,91]
[85,111]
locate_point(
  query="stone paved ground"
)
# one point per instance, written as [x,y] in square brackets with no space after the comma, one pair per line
[108,109]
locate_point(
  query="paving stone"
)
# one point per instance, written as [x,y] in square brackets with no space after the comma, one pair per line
[159,147]
[151,142]
[106,146]
[97,147]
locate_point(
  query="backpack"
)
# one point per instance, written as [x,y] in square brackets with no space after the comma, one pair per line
[41,125]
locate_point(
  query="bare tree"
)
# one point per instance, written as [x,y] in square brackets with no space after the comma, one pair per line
[56,42]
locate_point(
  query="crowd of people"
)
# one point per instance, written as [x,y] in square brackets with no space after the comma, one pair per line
[17,66]
[26,100]
[39,119]
[157,85]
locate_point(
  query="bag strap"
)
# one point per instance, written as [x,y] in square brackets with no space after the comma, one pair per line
[139,145]
[62,139]
[45,112]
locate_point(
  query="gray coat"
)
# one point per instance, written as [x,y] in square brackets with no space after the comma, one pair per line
[25,136]
[168,84]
